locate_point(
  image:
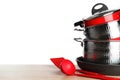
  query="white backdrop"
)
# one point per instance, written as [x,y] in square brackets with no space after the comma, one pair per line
[32,31]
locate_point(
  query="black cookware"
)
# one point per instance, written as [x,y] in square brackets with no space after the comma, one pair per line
[106,69]
[103,25]
[102,52]
[102,42]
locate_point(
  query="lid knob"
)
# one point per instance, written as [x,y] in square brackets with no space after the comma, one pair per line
[99,7]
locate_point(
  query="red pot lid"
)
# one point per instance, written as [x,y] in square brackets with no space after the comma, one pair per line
[102,18]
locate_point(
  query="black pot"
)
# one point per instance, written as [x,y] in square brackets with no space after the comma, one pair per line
[103,25]
[102,52]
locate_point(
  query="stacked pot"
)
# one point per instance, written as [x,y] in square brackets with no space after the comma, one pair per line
[102,31]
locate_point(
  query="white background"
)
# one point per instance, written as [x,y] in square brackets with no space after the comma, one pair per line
[32,31]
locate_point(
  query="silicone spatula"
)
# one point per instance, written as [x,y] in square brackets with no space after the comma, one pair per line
[57,61]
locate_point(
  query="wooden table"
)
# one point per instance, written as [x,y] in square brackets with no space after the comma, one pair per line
[34,72]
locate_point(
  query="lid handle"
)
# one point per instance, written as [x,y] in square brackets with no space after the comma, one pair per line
[99,7]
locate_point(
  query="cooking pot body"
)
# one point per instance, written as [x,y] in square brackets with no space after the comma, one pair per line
[102,52]
[110,30]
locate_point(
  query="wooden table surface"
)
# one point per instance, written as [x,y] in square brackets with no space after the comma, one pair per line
[34,72]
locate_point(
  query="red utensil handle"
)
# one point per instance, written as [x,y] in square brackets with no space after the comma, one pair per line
[89,73]
[94,75]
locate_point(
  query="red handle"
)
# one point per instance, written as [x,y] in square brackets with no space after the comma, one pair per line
[95,75]
[89,73]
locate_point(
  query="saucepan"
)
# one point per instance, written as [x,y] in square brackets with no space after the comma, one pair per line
[104,24]
[101,51]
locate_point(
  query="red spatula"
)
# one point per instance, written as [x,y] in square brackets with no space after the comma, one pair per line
[57,61]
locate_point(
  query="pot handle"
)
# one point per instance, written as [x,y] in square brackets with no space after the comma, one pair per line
[79,40]
[96,8]
[79,23]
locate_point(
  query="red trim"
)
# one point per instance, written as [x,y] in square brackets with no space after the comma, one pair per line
[103,19]
[118,38]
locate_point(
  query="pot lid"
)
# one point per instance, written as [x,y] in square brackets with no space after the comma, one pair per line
[100,16]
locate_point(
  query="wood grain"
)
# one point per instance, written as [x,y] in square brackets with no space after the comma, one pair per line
[34,72]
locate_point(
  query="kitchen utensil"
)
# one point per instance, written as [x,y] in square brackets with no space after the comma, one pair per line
[67,67]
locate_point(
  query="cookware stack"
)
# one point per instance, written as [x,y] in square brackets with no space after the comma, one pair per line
[102,42]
